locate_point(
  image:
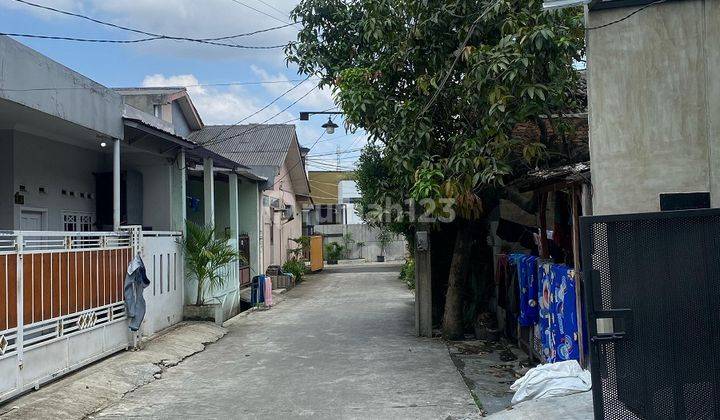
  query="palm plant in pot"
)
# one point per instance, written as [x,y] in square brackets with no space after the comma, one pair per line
[333,252]
[205,256]
[384,238]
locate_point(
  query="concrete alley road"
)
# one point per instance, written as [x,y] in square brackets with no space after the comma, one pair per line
[340,346]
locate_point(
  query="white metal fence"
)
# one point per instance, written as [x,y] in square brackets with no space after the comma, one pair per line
[61,299]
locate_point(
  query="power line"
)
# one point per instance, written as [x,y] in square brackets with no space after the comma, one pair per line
[625,17]
[298,162]
[226,129]
[336,153]
[260,11]
[153,36]
[134,41]
[255,128]
[249,83]
[274,8]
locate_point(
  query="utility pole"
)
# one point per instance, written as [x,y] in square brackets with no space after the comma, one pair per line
[423,283]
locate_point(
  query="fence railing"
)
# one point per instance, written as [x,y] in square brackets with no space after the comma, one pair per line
[245,276]
[53,287]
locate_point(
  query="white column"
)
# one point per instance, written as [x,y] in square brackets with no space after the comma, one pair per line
[234,221]
[209,192]
[116,184]
[179,193]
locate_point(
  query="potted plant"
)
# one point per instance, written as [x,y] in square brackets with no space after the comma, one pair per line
[384,238]
[205,255]
[348,240]
[361,245]
[333,252]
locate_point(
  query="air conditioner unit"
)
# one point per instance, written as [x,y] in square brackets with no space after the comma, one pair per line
[289,213]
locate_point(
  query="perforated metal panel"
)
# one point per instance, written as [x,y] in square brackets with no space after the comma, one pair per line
[653,302]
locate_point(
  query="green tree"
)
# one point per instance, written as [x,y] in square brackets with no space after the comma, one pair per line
[439,86]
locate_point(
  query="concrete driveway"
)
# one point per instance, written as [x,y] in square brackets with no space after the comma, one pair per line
[340,346]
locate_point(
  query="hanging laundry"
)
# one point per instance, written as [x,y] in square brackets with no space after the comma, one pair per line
[267,292]
[136,281]
[528,282]
[565,312]
[546,311]
[257,290]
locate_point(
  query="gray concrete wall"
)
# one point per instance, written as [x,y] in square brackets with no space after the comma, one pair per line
[363,233]
[93,106]
[59,167]
[7,180]
[654,102]
[178,120]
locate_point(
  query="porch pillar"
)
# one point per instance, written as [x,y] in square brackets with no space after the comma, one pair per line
[209,192]
[234,221]
[116,184]
[234,218]
[179,193]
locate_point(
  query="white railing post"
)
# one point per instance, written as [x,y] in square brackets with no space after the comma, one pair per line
[20,311]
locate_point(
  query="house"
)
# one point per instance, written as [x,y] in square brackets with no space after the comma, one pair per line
[233,191]
[273,152]
[654,103]
[89,178]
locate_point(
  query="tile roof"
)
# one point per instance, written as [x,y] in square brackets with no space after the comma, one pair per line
[248,144]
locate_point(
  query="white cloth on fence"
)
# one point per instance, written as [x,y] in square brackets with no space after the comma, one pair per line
[551,380]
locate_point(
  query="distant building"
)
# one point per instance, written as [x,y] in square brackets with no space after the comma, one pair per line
[334,196]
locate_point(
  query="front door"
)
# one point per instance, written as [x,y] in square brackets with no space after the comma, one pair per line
[31,220]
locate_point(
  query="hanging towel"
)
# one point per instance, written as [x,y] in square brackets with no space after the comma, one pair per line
[268,292]
[136,281]
[257,290]
[545,311]
[565,329]
[528,282]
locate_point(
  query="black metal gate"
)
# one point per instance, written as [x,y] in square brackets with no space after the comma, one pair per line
[652,293]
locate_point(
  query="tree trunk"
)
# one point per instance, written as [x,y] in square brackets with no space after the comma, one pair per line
[453,328]
[199,299]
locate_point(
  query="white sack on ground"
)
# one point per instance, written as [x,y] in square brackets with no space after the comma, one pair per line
[551,380]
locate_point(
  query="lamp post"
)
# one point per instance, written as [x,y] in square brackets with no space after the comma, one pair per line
[329,126]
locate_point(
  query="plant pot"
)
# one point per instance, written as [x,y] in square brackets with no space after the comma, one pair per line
[380,258]
[209,312]
[332,262]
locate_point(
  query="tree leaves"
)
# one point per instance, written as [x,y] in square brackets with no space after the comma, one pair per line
[385,59]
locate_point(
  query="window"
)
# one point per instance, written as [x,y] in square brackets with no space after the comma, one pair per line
[75,221]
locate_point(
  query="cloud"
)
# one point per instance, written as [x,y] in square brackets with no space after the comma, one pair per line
[219,106]
[187,18]
[317,100]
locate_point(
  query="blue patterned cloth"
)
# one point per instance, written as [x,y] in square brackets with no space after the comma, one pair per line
[528,282]
[557,313]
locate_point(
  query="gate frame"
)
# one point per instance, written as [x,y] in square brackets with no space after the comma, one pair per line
[592,281]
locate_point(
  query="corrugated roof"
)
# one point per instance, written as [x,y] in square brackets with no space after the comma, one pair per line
[248,144]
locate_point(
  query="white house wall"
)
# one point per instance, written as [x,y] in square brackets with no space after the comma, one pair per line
[277,252]
[7,211]
[157,196]
[56,166]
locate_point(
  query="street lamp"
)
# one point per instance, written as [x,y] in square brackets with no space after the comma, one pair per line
[329,126]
